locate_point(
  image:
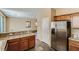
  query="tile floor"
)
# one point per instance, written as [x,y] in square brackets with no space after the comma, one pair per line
[41,46]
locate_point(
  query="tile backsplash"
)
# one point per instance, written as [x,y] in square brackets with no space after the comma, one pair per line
[75,32]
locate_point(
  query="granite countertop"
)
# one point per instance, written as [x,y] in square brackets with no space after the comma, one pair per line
[75,39]
[16,36]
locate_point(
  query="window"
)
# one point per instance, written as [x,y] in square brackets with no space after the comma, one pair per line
[1,24]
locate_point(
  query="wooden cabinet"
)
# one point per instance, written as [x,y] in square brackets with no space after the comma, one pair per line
[13,45]
[24,43]
[21,44]
[57,18]
[75,21]
[31,41]
[66,17]
[74,18]
[73,45]
[63,17]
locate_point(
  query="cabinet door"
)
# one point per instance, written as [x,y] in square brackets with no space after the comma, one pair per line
[73,48]
[66,17]
[24,43]
[31,41]
[63,17]
[14,46]
[73,45]
[57,18]
[75,21]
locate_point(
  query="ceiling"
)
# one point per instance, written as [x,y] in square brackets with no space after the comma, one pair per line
[21,12]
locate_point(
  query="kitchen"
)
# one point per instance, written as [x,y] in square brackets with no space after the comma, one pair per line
[17,32]
[22,31]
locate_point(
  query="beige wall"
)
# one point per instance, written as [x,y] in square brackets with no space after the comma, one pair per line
[19,24]
[53,13]
[62,11]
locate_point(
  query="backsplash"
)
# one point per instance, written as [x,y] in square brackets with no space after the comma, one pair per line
[13,33]
[3,35]
[75,32]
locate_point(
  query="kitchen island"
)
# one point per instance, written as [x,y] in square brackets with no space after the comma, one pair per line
[18,42]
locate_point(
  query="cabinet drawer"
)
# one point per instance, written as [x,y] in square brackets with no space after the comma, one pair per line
[31,38]
[23,39]
[13,40]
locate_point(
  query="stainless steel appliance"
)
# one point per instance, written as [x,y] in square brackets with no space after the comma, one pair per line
[60,34]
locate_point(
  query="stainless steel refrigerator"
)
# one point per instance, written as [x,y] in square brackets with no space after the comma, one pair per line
[60,34]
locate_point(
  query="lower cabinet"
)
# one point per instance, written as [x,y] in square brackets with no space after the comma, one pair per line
[14,46]
[31,41]
[73,45]
[21,44]
[24,44]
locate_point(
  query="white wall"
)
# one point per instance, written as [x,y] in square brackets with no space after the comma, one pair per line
[19,24]
[46,30]
[62,11]
[44,13]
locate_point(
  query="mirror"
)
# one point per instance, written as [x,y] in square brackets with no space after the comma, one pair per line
[28,24]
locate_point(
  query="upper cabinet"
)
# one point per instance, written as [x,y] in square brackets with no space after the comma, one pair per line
[74,18]
[66,17]
[75,21]
[57,18]
[63,17]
